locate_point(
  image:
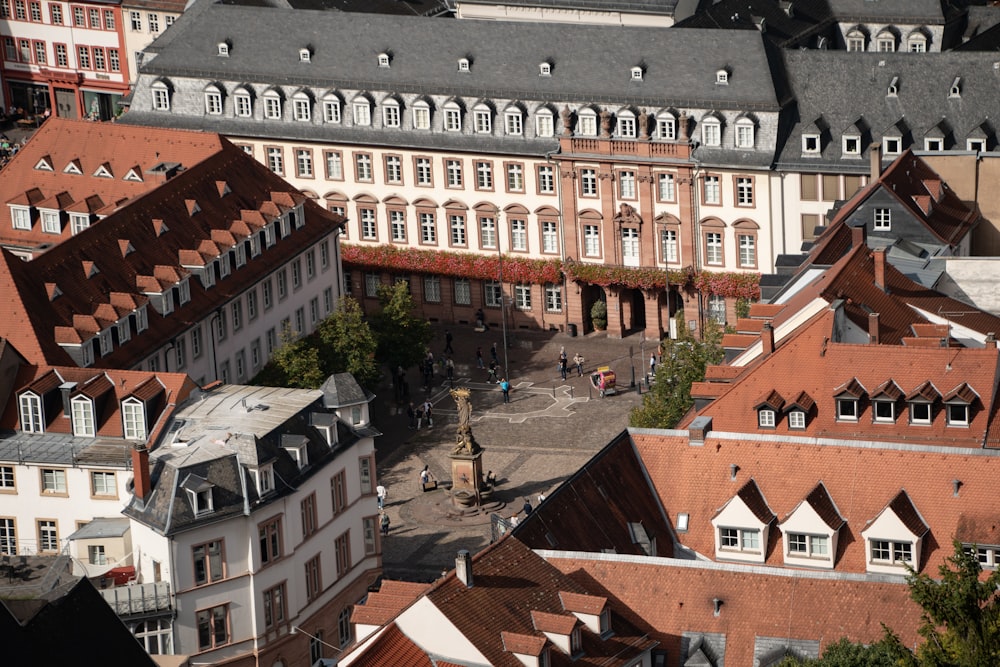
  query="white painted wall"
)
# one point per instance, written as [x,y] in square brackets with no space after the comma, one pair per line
[431,630]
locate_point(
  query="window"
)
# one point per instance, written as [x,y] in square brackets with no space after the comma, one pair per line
[711,132]
[487,232]
[453,169]
[372,283]
[275,159]
[269,538]
[428,228]
[463,291]
[591,241]
[748,250]
[338,492]
[847,409]
[41,59]
[432,289]
[393,169]
[310,522]
[886,43]
[884,411]
[21,217]
[53,480]
[83,417]
[744,191]
[368,525]
[630,246]
[515,177]
[342,548]
[522,296]
[62,60]
[588,182]
[423,169]
[543,123]
[892,145]
[302,107]
[553,298]
[550,237]
[920,413]
[483,119]
[362,112]
[48,536]
[96,555]
[852,145]
[134,419]
[626,185]
[344,626]
[808,546]
[712,194]
[334,166]
[933,144]
[368,231]
[213,627]
[390,113]
[493,293]
[744,133]
[31,413]
[917,43]
[397,226]
[891,552]
[421,116]
[666,127]
[209,565]
[331,110]
[810,144]
[796,419]
[456,223]
[855,41]
[55,9]
[713,248]
[7,482]
[154,23]
[452,118]
[518,234]
[957,414]
[136,20]
[717,308]
[626,125]
[220,324]
[363,167]
[546,180]
[883,219]
[665,187]
[513,122]
[272,105]
[739,539]
[668,245]
[314,580]
[484,175]
[8,537]
[765,418]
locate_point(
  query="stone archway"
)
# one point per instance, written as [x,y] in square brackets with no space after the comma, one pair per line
[590,294]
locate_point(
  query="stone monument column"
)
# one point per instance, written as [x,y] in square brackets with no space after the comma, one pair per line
[467,457]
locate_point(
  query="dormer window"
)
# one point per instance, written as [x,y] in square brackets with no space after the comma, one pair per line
[722,77]
[362,111]
[605,623]
[742,525]
[893,90]
[976,145]
[884,411]
[82,409]
[892,145]
[264,478]
[383,60]
[852,145]
[513,121]
[575,642]
[921,402]
[958,405]
[765,418]
[956,87]
[242,103]
[637,74]
[920,412]
[31,413]
[452,117]
[272,105]
[134,419]
[810,531]
[20,217]
[224,49]
[305,55]
[302,106]
[933,144]
[847,409]
[213,101]
[916,42]
[331,109]
[199,491]
[711,131]
[810,143]
[744,133]
[625,124]
[958,414]
[885,42]
[855,40]
[796,419]
[586,125]
[544,69]
[463,65]
[421,115]
[666,127]
[161,96]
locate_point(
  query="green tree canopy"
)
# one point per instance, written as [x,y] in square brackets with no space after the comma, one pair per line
[347,344]
[402,338]
[682,362]
[295,364]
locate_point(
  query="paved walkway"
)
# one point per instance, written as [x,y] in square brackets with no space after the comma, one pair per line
[548,430]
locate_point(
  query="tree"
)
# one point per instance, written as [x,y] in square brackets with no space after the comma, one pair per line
[886,652]
[961,614]
[402,338]
[347,344]
[295,364]
[682,362]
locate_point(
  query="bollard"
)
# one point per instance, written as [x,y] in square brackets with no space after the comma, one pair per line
[571,391]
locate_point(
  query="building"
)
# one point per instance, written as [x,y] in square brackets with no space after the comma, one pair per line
[458,150]
[69,59]
[201,274]
[145,21]
[506,607]
[258,506]
[65,441]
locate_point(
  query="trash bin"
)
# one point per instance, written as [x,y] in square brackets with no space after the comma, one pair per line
[572,330]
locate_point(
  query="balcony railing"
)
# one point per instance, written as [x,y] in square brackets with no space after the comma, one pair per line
[139,598]
[622,147]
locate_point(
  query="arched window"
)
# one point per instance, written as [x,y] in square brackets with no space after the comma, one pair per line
[666,126]
[544,126]
[885,42]
[452,117]
[302,106]
[586,125]
[421,115]
[711,131]
[625,126]
[856,40]
[161,95]
[361,111]
[242,103]
[272,104]
[513,119]
[916,42]
[331,108]
[213,100]
[744,133]
[483,118]
[390,112]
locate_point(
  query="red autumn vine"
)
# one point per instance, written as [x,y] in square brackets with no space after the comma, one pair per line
[455,264]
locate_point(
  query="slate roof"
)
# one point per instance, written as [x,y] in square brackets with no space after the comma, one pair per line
[342,389]
[591,64]
[806,19]
[665,7]
[862,473]
[674,598]
[120,148]
[82,285]
[588,512]
[890,11]
[819,80]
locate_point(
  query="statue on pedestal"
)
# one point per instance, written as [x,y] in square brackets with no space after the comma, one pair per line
[466,442]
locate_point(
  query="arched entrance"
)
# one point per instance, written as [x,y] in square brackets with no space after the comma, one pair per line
[590,294]
[633,307]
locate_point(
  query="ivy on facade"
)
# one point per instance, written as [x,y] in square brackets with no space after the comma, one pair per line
[539,271]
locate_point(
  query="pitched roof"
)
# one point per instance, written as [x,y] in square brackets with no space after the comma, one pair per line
[390,646]
[117,147]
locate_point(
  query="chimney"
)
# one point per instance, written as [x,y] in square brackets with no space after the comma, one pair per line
[733,469]
[699,428]
[956,484]
[879,256]
[859,236]
[991,341]
[873,328]
[66,390]
[767,338]
[875,154]
[717,603]
[140,472]
[463,567]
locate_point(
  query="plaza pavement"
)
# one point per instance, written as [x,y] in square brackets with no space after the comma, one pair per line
[548,430]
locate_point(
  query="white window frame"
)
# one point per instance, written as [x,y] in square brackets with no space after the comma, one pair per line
[796,419]
[625,125]
[518,234]
[421,115]
[513,121]
[586,123]
[811,144]
[544,123]
[32,413]
[390,112]
[882,219]
[744,133]
[845,415]
[361,112]
[301,107]
[666,127]
[921,419]
[665,187]
[20,217]
[591,241]
[134,419]
[331,109]
[711,132]
[452,117]
[669,246]
[161,96]
[553,298]
[766,418]
[213,101]
[483,119]
[851,145]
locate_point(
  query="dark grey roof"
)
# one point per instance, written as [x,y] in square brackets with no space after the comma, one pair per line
[807,18]
[891,11]
[102,527]
[590,63]
[841,87]
[341,390]
[664,7]
[62,449]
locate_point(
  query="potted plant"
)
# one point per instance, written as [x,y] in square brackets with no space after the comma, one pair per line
[599,315]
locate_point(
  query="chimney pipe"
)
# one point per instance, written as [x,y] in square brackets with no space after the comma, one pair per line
[873,328]
[879,256]
[859,236]
[463,567]
[991,341]
[717,602]
[767,338]
[140,472]
[66,391]
[956,484]
[733,469]
[875,153]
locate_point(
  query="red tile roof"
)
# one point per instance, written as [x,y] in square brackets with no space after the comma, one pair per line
[59,142]
[390,647]
[560,624]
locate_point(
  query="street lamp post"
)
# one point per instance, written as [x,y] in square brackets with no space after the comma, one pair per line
[297,630]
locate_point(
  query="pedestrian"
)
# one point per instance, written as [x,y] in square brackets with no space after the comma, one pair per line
[428,373]
[578,360]
[652,363]
[513,521]
[492,377]
[541,498]
[411,413]
[381,493]
[447,342]
[449,367]
[385,524]
[493,354]
[480,319]
[427,407]
[479,357]
[527,507]
[562,362]
[505,388]
[425,475]
[420,417]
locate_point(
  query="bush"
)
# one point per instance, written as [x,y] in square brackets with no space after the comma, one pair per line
[599,315]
